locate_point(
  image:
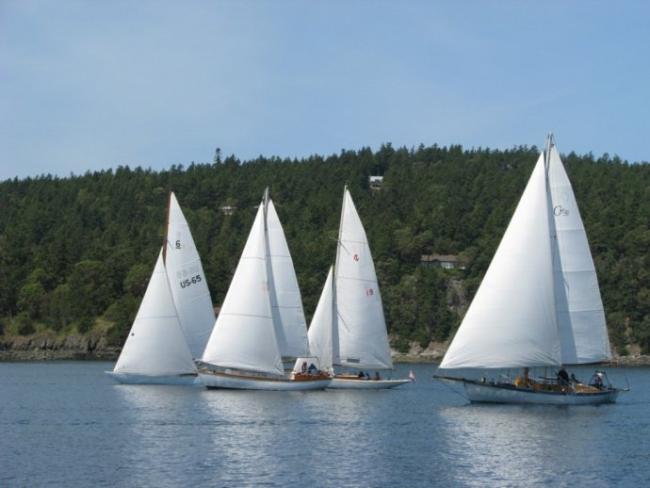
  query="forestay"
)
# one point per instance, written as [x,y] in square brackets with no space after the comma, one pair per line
[363,340]
[243,336]
[156,345]
[580,313]
[187,280]
[511,321]
[285,299]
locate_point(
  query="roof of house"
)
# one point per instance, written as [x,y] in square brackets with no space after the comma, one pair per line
[442,258]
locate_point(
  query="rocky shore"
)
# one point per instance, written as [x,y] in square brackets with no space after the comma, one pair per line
[47,347]
[39,347]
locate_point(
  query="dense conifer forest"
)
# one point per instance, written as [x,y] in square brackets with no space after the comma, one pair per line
[76,253]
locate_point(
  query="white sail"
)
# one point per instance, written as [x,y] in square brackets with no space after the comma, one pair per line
[156,345]
[243,336]
[511,322]
[187,280]
[580,313]
[323,336]
[363,340]
[285,299]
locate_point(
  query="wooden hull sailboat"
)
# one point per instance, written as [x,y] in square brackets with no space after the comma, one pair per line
[538,305]
[232,380]
[261,319]
[348,328]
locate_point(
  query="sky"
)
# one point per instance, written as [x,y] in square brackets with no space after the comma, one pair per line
[88,85]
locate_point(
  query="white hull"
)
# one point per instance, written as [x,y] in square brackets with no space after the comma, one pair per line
[359,384]
[143,379]
[237,382]
[479,393]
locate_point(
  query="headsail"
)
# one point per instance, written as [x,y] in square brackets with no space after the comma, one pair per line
[243,336]
[323,336]
[187,280]
[580,313]
[363,340]
[511,321]
[156,345]
[286,299]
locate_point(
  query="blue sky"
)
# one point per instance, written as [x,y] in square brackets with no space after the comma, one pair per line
[95,84]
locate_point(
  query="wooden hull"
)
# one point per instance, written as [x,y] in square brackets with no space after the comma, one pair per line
[488,393]
[217,379]
[142,379]
[352,383]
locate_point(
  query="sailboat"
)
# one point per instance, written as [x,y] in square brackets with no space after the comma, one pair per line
[175,316]
[538,306]
[261,319]
[348,328]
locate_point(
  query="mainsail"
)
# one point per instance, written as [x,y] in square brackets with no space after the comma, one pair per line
[187,280]
[285,299]
[362,336]
[580,313]
[511,322]
[244,335]
[156,345]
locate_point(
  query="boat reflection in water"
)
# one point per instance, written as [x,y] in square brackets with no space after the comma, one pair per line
[516,445]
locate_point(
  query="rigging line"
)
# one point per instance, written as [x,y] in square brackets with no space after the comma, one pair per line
[449,387]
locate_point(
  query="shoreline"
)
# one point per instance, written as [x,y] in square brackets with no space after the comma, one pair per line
[49,347]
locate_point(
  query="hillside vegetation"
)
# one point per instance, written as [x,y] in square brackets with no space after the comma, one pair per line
[76,253]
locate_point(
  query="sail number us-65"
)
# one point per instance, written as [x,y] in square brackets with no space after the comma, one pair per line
[191,281]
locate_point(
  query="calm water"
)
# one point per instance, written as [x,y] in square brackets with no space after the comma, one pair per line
[66,424]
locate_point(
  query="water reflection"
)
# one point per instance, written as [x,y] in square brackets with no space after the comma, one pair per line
[520,445]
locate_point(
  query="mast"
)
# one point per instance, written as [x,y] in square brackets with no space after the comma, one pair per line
[166,238]
[335,271]
[265,200]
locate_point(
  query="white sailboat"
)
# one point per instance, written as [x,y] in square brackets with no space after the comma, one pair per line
[175,317]
[155,350]
[539,304]
[259,318]
[348,328]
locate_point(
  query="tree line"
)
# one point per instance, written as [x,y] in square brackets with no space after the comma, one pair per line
[76,252]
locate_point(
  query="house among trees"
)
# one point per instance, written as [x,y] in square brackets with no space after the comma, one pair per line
[228,209]
[446,261]
[375,182]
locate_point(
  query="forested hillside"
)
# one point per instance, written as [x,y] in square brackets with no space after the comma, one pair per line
[76,253]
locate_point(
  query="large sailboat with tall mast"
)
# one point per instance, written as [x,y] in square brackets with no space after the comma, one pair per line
[261,320]
[175,316]
[348,329]
[538,306]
